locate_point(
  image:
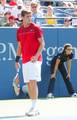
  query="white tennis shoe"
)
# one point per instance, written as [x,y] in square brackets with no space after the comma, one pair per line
[32,112]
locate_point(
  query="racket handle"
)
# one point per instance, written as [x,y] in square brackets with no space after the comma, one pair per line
[18,70]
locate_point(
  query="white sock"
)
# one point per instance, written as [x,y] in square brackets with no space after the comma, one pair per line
[33,103]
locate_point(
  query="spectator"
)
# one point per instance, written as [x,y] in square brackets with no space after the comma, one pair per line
[27,5]
[50,14]
[12,22]
[16,10]
[13,3]
[36,13]
[74,21]
[5,19]
[68,23]
[68,4]
[3,7]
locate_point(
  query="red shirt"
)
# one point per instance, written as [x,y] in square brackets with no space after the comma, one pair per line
[28,38]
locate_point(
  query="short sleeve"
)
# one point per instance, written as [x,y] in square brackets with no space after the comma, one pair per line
[59,56]
[38,32]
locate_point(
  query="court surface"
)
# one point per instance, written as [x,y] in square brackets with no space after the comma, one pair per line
[50,109]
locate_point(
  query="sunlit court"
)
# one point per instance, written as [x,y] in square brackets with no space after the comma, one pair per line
[50,109]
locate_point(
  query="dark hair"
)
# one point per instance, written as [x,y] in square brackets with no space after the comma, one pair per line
[25,12]
[66,46]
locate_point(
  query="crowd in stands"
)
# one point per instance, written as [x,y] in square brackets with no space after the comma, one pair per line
[44,13]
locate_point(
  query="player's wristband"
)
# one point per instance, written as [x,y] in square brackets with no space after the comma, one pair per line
[17,58]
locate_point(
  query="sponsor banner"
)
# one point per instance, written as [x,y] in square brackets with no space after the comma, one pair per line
[55,38]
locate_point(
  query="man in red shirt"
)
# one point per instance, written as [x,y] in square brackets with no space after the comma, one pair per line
[30,45]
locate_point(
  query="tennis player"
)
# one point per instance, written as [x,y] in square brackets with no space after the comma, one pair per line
[30,46]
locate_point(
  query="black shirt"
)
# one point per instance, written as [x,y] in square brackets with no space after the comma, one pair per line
[63,57]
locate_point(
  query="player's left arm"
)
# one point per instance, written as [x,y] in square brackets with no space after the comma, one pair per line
[39,51]
[41,46]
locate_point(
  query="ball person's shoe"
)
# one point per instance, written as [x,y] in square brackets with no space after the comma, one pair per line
[50,95]
[74,95]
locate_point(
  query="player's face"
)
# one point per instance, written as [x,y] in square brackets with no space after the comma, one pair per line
[27,18]
[68,50]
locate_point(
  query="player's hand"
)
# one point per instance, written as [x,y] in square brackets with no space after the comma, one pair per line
[68,76]
[53,75]
[33,58]
[17,66]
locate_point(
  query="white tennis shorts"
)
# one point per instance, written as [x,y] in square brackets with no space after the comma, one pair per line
[32,71]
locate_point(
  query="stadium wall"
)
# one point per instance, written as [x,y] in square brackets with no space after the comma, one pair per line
[55,38]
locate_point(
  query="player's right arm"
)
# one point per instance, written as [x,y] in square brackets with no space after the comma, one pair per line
[18,55]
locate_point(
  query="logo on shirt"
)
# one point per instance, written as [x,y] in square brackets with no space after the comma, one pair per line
[31,30]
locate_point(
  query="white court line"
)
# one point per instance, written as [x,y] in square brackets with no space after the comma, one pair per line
[50,109]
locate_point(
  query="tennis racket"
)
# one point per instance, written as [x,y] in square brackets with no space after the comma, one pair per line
[16,83]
